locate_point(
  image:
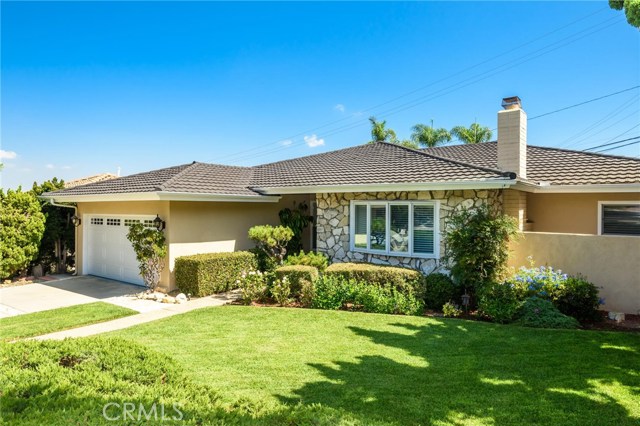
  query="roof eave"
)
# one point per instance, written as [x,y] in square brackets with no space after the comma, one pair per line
[160,196]
[388,187]
[583,188]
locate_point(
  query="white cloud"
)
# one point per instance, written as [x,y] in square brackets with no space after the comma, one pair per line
[49,166]
[65,167]
[339,107]
[313,141]
[7,155]
[286,142]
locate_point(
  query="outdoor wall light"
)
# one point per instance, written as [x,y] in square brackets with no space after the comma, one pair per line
[75,220]
[465,300]
[159,223]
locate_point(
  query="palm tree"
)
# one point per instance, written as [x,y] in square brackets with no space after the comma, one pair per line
[472,134]
[380,133]
[429,137]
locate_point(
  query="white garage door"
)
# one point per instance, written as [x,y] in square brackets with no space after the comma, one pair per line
[107,251]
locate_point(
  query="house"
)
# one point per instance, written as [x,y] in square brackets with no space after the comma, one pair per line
[89,179]
[385,204]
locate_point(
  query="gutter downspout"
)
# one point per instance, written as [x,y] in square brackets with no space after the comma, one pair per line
[75,230]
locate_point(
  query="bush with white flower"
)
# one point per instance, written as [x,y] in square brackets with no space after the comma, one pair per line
[253,286]
[281,291]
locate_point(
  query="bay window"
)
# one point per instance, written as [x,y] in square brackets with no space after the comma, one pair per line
[400,228]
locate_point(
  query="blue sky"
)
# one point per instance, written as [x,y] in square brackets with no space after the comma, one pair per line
[89,87]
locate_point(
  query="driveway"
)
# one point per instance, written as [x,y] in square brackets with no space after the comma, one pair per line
[71,291]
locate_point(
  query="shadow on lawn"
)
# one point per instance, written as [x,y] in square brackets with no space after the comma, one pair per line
[486,374]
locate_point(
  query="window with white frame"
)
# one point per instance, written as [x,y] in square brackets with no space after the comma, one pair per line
[401,228]
[619,218]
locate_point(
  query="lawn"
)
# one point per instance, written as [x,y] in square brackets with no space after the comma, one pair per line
[369,368]
[38,323]
[247,365]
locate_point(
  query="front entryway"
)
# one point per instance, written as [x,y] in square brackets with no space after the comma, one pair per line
[107,251]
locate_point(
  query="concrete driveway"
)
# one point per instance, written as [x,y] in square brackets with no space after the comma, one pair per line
[71,291]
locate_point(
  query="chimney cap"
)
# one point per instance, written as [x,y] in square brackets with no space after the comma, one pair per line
[512,102]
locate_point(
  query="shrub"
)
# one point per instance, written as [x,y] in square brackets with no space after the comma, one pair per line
[578,298]
[573,296]
[332,292]
[297,275]
[438,290]
[206,274]
[280,289]
[150,247]
[404,280]
[21,227]
[307,293]
[272,240]
[499,302]
[385,300]
[70,381]
[265,262]
[317,260]
[452,310]
[541,313]
[477,242]
[297,220]
[253,286]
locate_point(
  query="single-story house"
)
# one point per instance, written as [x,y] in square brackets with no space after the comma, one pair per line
[382,203]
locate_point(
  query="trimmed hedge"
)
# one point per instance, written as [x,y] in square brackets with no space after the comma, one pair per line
[297,275]
[401,279]
[318,260]
[206,274]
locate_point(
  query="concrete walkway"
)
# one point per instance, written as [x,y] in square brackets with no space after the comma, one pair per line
[164,312]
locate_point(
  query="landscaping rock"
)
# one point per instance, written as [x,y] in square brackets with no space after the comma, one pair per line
[169,299]
[181,298]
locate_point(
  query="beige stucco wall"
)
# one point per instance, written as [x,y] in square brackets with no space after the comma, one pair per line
[197,227]
[160,208]
[569,213]
[611,262]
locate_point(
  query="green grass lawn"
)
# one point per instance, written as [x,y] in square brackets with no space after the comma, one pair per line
[276,366]
[38,323]
[313,367]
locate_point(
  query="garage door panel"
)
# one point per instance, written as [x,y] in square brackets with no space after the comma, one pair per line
[109,253]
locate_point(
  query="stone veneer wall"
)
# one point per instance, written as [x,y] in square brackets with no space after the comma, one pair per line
[333,222]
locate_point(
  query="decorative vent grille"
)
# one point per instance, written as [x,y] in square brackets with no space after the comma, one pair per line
[97,221]
[113,222]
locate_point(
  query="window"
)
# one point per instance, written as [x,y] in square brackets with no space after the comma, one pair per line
[395,228]
[619,218]
[97,221]
[113,222]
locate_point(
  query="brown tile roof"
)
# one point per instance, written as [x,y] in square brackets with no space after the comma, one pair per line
[369,164]
[554,165]
[379,163]
[89,179]
[195,177]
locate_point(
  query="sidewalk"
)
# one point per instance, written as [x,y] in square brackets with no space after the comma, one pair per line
[119,324]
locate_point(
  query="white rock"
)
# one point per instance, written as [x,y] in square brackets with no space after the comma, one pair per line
[181,298]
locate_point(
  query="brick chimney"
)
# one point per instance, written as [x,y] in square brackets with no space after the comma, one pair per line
[512,137]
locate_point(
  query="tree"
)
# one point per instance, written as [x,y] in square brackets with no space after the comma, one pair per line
[150,247]
[272,240]
[58,239]
[477,245]
[21,229]
[429,137]
[380,133]
[631,10]
[297,220]
[472,134]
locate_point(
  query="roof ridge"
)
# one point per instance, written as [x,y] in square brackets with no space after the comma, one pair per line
[458,162]
[595,154]
[163,185]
